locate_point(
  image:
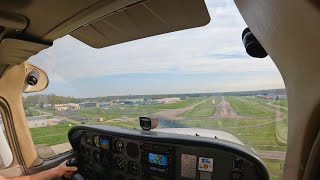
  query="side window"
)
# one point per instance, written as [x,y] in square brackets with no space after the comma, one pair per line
[48,130]
[6,156]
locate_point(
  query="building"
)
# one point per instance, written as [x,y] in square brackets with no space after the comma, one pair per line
[168,100]
[41,121]
[47,106]
[131,101]
[281,97]
[90,104]
[104,105]
[64,107]
[265,97]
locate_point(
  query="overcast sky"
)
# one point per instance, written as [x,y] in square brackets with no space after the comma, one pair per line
[206,59]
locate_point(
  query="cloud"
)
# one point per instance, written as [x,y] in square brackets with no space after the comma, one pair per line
[215,48]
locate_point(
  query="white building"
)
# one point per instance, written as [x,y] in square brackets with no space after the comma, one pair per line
[64,107]
[168,100]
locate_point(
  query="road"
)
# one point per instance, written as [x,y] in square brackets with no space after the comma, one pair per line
[58,117]
[271,154]
[173,113]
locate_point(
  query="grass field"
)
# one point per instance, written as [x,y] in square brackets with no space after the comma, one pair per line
[206,108]
[275,168]
[261,137]
[256,100]
[248,109]
[223,123]
[177,105]
[50,135]
[281,131]
[112,113]
[285,120]
[133,111]
[31,113]
[281,103]
[265,102]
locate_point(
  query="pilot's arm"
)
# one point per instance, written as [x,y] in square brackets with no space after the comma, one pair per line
[58,171]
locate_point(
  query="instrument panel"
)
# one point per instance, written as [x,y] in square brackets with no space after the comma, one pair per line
[122,154]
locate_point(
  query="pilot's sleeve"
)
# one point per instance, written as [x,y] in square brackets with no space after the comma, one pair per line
[2,178]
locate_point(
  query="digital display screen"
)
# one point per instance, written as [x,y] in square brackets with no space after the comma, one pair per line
[104,143]
[158,159]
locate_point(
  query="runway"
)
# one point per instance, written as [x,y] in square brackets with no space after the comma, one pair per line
[224,110]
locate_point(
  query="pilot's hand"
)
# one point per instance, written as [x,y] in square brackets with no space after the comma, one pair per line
[64,170]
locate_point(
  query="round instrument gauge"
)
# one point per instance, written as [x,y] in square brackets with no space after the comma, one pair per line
[118,146]
[96,141]
[88,140]
[96,156]
[119,162]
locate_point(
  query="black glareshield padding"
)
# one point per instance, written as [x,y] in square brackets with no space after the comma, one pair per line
[252,45]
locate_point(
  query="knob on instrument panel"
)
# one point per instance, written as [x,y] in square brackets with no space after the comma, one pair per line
[133,168]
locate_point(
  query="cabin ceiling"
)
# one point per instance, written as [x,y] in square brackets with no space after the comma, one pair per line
[98,23]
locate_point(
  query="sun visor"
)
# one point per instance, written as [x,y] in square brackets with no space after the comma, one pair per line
[15,51]
[143,19]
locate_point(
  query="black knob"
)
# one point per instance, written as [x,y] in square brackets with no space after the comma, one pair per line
[72,162]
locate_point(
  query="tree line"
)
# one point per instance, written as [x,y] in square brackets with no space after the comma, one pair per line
[41,99]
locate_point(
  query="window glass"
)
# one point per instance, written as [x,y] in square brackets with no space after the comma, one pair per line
[196,78]
[6,156]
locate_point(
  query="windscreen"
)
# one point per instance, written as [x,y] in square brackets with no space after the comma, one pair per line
[198,82]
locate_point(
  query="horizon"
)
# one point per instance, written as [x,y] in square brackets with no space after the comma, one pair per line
[253,91]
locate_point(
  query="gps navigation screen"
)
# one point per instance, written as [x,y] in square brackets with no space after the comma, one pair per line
[158,159]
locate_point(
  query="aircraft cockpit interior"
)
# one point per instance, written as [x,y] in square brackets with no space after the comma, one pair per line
[116,153]
[159,89]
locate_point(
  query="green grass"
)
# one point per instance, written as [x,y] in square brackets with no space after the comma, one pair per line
[256,100]
[265,102]
[248,109]
[281,131]
[50,135]
[281,103]
[285,120]
[206,108]
[261,137]
[58,134]
[275,168]
[30,113]
[223,122]
[177,105]
[117,112]
[278,109]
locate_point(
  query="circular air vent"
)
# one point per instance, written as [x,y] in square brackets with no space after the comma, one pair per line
[132,150]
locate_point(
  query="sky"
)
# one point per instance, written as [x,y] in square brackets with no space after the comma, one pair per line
[211,58]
